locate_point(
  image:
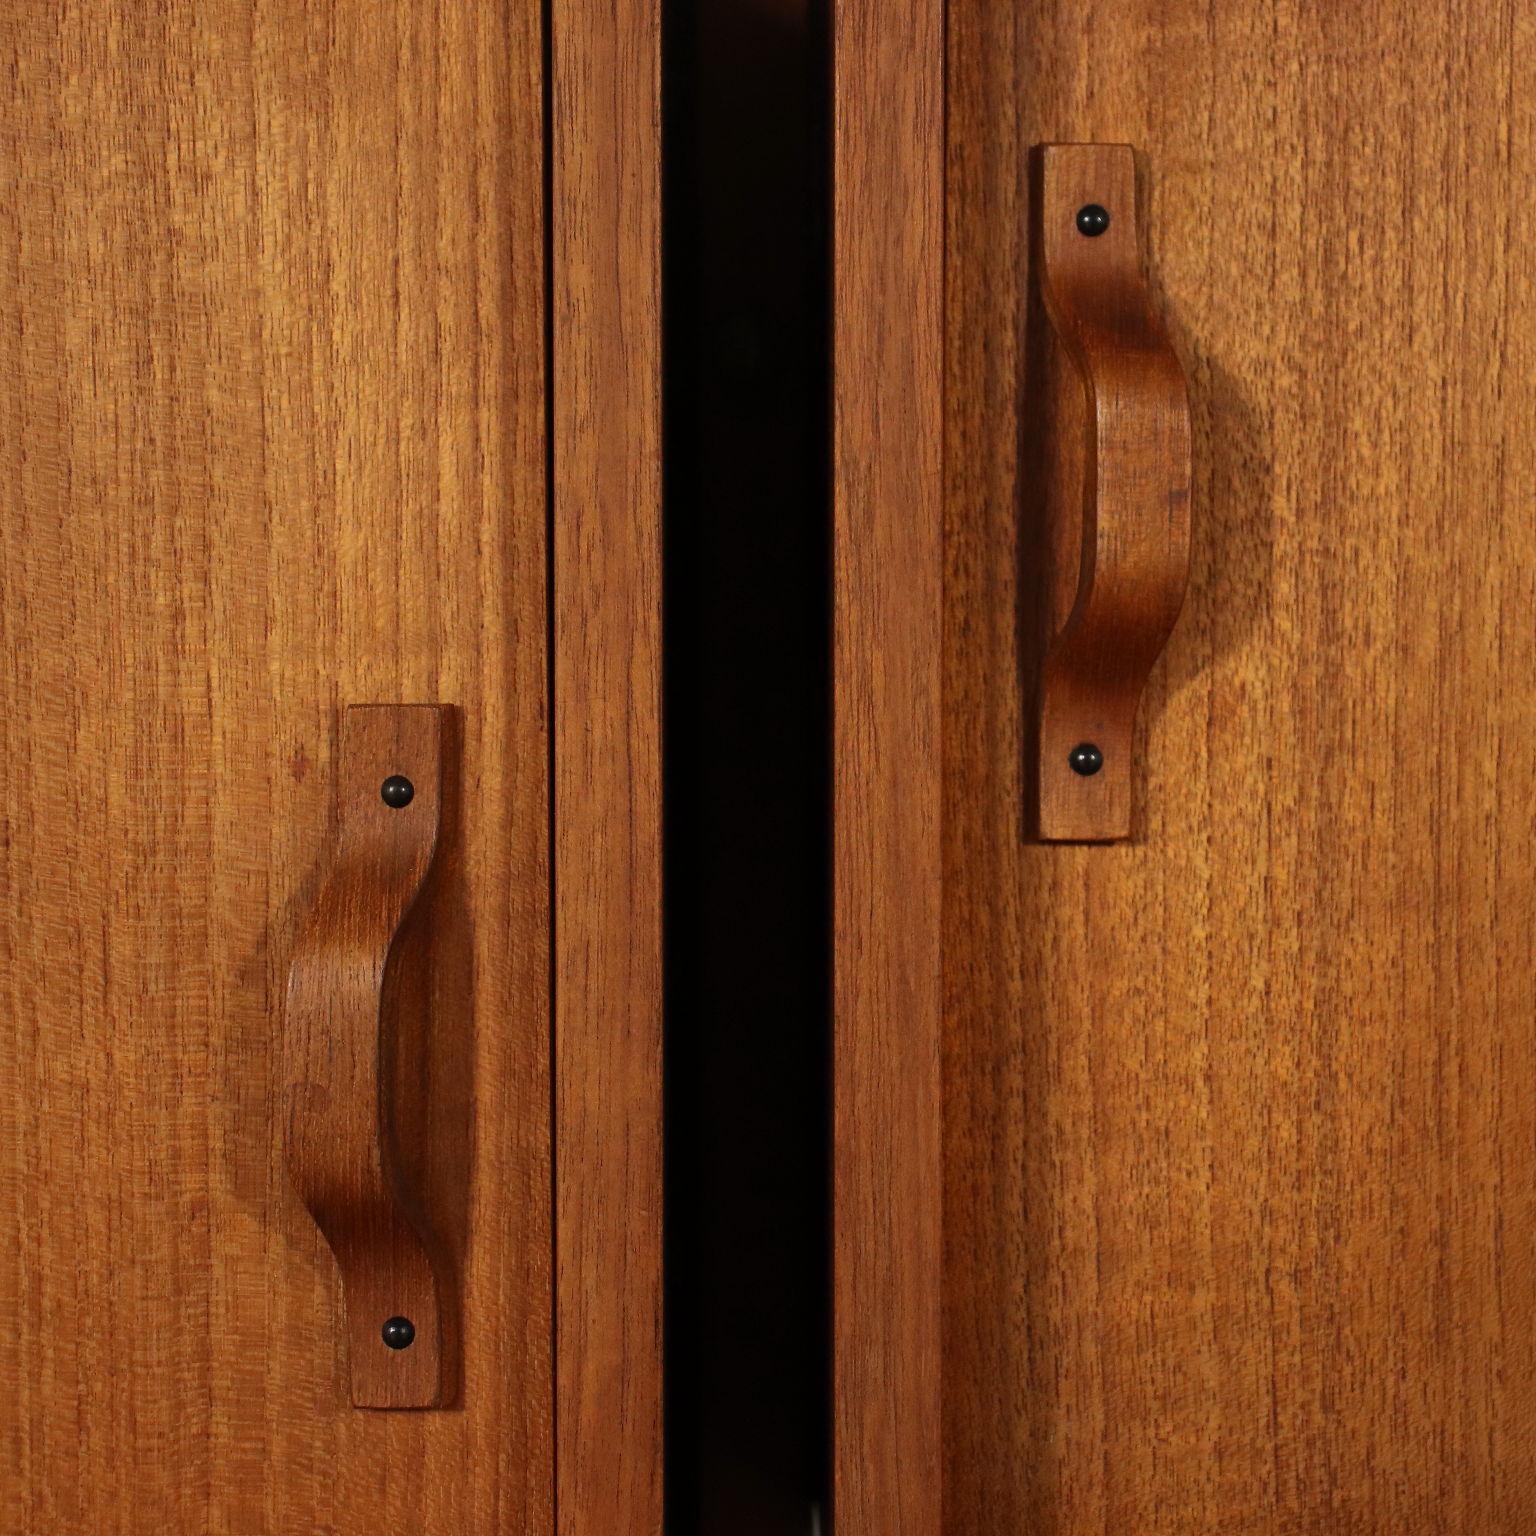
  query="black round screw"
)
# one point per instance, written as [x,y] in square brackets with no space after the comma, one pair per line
[397,791]
[399,1333]
[1092,220]
[1086,759]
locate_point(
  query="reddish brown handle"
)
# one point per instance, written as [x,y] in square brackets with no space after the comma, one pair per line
[1124,446]
[340,1146]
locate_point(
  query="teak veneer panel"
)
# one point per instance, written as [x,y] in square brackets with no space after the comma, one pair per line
[1240,1118]
[272,433]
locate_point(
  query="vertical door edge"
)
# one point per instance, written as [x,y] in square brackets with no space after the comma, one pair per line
[888,216]
[605,304]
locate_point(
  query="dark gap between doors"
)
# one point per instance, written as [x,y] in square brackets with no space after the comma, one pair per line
[746,281]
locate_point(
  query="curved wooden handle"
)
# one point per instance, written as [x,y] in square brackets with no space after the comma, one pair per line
[340,1146]
[1130,452]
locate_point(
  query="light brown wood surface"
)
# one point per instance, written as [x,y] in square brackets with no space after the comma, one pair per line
[1240,1118]
[271,441]
[606,311]
[887,563]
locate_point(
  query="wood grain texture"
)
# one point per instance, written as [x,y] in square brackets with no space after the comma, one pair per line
[606,309]
[344,1041]
[271,440]
[1240,1172]
[1115,545]
[887,563]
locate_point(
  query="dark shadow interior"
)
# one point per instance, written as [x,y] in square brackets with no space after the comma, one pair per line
[747,741]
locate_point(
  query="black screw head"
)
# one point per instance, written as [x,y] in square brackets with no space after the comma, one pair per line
[397,791]
[399,1333]
[1085,759]
[1092,220]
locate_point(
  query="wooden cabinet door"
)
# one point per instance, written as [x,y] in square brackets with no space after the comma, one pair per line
[275,293]
[1187,1184]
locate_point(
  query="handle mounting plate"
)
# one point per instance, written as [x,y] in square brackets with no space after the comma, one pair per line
[1119,452]
[339,1042]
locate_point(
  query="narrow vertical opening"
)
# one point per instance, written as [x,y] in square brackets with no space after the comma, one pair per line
[747,751]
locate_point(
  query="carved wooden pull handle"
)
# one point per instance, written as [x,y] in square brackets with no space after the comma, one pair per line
[1126,445]
[339,1040]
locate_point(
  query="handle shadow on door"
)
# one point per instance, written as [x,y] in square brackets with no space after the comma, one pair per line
[340,1040]
[1108,400]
